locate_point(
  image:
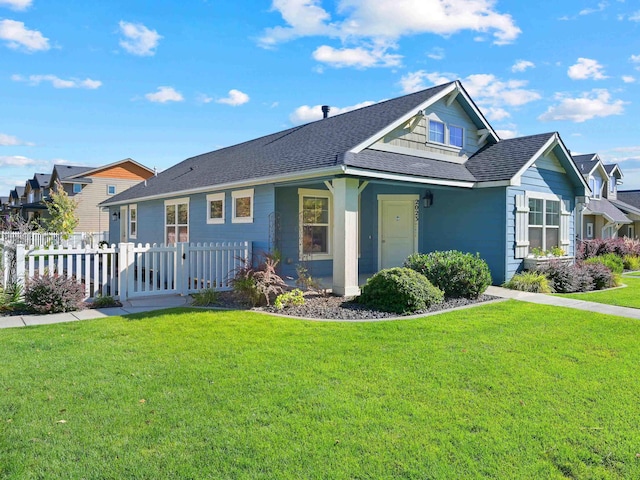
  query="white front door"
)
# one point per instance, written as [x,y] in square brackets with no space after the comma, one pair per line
[123,224]
[397,229]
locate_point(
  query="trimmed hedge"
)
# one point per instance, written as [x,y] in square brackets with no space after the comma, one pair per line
[457,274]
[399,290]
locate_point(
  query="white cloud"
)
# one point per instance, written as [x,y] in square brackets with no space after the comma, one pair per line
[356,57]
[164,95]
[235,98]
[489,92]
[628,79]
[362,23]
[597,103]
[18,36]
[586,68]
[58,82]
[588,11]
[138,39]
[16,4]
[10,140]
[306,113]
[203,98]
[507,133]
[16,161]
[635,16]
[436,53]
[522,65]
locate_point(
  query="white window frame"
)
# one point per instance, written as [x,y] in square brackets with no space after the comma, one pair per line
[545,198]
[242,194]
[78,186]
[109,187]
[444,131]
[446,143]
[176,202]
[631,231]
[590,230]
[596,190]
[308,192]
[216,197]
[612,184]
[134,208]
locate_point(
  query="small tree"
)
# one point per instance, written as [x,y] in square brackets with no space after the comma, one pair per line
[62,212]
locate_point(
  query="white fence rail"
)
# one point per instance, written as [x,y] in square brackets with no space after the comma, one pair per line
[46,239]
[128,271]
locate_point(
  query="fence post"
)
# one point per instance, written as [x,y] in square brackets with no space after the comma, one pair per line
[182,266]
[20,273]
[123,270]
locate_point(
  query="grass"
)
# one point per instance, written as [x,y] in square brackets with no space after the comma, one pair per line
[628,296]
[508,390]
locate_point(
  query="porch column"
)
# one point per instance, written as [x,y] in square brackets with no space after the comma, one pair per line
[345,237]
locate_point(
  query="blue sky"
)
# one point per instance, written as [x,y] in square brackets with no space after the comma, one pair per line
[90,83]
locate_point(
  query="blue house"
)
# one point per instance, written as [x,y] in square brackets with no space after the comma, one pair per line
[358,192]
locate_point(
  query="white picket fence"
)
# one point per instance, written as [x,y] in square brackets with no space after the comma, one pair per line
[45,239]
[128,271]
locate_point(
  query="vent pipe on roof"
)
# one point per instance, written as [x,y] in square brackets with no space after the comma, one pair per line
[325,111]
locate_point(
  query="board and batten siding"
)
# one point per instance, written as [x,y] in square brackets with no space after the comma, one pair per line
[151,220]
[541,180]
[415,137]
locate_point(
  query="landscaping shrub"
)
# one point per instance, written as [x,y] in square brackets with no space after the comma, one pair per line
[601,275]
[53,294]
[598,247]
[10,297]
[258,285]
[289,299]
[567,278]
[631,262]
[105,301]
[534,282]
[400,290]
[205,297]
[457,274]
[611,260]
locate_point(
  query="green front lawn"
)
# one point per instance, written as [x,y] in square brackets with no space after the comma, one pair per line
[508,390]
[628,296]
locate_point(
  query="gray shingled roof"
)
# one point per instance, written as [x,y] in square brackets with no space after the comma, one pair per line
[632,197]
[606,208]
[585,163]
[65,171]
[43,179]
[307,147]
[408,165]
[625,207]
[609,167]
[502,160]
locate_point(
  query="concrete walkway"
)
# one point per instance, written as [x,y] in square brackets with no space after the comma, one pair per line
[138,305]
[149,304]
[543,299]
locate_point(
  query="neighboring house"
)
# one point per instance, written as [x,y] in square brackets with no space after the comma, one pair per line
[91,185]
[5,211]
[629,202]
[357,192]
[36,192]
[605,215]
[16,196]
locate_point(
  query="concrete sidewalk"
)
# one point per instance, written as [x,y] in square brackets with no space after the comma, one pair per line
[138,305]
[543,299]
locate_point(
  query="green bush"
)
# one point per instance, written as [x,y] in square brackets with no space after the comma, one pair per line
[289,299]
[610,260]
[529,282]
[205,297]
[104,301]
[54,294]
[631,262]
[457,274]
[400,290]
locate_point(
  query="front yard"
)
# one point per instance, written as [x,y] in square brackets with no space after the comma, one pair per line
[508,390]
[628,296]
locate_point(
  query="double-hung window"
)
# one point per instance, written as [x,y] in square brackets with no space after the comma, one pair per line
[445,134]
[133,221]
[612,184]
[176,220]
[315,223]
[455,136]
[215,208]
[242,206]
[544,223]
[595,183]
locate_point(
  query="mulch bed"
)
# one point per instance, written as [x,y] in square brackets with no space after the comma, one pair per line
[331,307]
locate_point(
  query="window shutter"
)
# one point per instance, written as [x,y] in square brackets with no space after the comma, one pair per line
[522,226]
[565,216]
